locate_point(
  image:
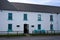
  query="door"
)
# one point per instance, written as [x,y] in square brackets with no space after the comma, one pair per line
[26,28]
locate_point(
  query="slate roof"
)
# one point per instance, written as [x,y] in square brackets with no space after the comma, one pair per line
[5,5]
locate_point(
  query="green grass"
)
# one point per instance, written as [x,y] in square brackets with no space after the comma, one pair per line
[12,35]
[15,35]
[45,34]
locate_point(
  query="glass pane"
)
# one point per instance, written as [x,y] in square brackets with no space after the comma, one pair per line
[25,16]
[9,27]
[9,16]
[39,26]
[51,17]
[39,17]
[51,26]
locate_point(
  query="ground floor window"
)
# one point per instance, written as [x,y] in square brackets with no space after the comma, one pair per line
[9,27]
[51,26]
[39,26]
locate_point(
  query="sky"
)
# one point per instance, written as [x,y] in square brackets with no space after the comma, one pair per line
[40,2]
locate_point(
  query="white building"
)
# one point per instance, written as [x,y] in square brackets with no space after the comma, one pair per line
[28,17]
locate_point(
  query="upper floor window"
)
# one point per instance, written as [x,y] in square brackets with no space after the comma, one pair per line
[9,16]
[51,17]
[25,17]
[39,17]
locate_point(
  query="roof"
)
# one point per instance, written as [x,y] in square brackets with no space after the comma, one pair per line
[36,8]
[5,5]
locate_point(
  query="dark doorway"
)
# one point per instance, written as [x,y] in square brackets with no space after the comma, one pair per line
[26,28]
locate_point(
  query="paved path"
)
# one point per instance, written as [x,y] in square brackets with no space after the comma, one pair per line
[32,38]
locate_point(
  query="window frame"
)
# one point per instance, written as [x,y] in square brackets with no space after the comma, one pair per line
[51,27]
[51,17]
[9,27]
[39,17]
[10,16]
[39,26]
[25,17]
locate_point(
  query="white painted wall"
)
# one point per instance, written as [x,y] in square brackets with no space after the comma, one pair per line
[58,22]
[32,20]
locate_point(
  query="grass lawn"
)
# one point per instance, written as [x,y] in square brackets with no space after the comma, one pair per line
[14,35]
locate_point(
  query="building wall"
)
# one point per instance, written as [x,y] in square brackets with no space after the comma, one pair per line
[58,22]
[32,20]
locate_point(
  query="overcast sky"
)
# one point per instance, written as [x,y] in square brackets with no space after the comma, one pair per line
[44,2]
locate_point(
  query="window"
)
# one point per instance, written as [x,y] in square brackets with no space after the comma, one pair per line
[51,26]
[39,17]
[51,17]
[32,26]
[39,26]
[25,17]
[9,16]
[18,25]
[9,27]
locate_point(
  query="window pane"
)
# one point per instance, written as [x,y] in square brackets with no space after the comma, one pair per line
[9,27]
[18,25]
[51,17]
[39,26]
[25,16]
[9,16]
[32,25]
[39,17]
[51,26]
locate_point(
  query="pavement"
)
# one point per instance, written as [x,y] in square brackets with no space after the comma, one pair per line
[31,38]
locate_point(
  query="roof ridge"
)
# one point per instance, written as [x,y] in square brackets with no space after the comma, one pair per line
[34,4]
